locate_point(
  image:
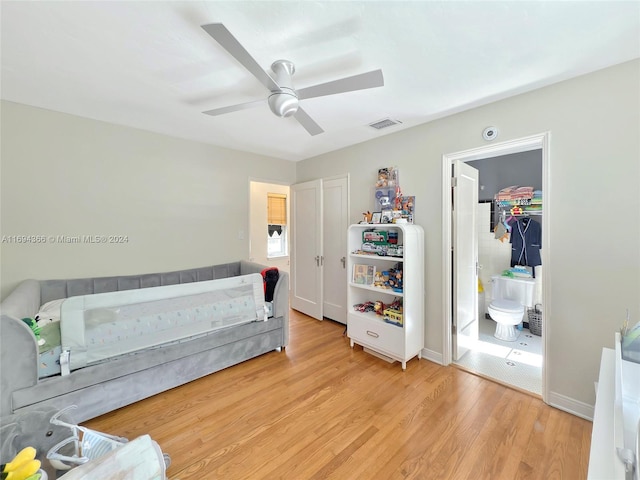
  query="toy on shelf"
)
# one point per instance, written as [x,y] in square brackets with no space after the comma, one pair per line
[393,313]
[378,280]
[387,177]
[397,203]
[387,187]
[395,280]
[364,307]
[408,205]
[378,307]
[389,199]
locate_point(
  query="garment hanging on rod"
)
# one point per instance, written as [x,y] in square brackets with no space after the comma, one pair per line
[526,241]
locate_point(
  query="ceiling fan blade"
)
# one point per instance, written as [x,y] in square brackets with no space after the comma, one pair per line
[349,84]
[307,122]
[234,108]
[221,35]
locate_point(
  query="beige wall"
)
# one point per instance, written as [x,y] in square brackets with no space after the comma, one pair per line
[258,223]
[183,204]
[593,207]
[179,203]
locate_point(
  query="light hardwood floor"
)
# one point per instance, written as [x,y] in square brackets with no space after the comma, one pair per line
[320,409]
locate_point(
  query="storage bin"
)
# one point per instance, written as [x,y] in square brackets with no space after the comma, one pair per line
[535,320]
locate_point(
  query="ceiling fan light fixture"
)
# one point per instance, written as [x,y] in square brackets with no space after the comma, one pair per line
[283,104]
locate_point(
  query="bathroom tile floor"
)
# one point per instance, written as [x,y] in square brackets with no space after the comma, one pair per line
[516,363]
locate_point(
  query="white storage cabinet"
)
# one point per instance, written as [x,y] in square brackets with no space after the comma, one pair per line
[368,329]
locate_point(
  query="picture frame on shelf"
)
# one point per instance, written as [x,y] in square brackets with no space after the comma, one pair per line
[376,217]
[387,216]
[363,274]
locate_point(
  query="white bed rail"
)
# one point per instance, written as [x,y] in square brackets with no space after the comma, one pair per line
[97,327]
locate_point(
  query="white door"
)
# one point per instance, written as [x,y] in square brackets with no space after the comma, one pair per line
[306,248]
[465,258]
[335,203]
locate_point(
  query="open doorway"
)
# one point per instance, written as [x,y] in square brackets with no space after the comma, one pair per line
[269,230]
[464,305]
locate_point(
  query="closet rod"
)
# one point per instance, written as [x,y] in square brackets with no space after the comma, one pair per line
[523,214]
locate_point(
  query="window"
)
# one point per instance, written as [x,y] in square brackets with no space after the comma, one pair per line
[276,225]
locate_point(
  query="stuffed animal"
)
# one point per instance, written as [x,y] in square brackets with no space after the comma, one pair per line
[33,325]
[395,280]
[32,429]
[383,177]
[378,280]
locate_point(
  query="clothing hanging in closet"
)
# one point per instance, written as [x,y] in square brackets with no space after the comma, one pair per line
[526,241]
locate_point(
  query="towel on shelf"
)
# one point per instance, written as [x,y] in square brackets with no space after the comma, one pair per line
[515,192]
[533,208]
[521,271]
[537,197]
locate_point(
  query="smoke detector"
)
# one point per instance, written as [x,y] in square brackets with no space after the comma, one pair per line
[490,133]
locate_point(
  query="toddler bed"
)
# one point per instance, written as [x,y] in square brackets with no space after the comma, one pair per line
[127,358]
[90,329]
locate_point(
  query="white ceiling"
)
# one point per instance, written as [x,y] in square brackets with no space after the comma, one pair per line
[149,65]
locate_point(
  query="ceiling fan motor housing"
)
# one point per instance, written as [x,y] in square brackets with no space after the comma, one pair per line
[283,102]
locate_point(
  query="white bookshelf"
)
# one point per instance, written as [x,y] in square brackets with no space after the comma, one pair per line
[387,340]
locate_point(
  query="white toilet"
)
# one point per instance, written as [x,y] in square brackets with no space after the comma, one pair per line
[509,299]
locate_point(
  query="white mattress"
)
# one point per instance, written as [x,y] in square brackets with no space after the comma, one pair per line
[97,327]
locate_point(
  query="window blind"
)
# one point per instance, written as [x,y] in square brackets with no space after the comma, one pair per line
[276,209]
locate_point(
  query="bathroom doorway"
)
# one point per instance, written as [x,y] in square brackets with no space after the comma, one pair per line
[519,364]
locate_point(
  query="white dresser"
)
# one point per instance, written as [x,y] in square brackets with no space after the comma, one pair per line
[615,419]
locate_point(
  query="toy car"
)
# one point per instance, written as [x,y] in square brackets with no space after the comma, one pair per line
[370,247]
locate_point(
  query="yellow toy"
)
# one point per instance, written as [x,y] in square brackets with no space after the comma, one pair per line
[23,472]
[378,307]
[378,280]
[22,467]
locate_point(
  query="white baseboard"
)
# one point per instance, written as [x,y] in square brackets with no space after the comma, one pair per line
[435,357]
[579,409]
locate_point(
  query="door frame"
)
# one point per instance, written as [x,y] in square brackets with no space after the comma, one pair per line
[533,142]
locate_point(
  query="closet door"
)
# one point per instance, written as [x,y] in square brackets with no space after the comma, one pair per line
[320,218]
[306,248]
[335,201]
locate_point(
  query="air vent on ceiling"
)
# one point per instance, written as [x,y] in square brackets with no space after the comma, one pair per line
[387,122]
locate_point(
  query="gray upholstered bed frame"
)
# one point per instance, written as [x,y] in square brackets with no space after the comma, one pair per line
[107,386]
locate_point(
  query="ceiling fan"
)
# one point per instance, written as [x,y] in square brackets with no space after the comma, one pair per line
[284,99]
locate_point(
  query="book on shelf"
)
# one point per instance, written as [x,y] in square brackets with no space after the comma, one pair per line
[363,274]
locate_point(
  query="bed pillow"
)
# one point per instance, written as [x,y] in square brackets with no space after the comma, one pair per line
[49,312]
